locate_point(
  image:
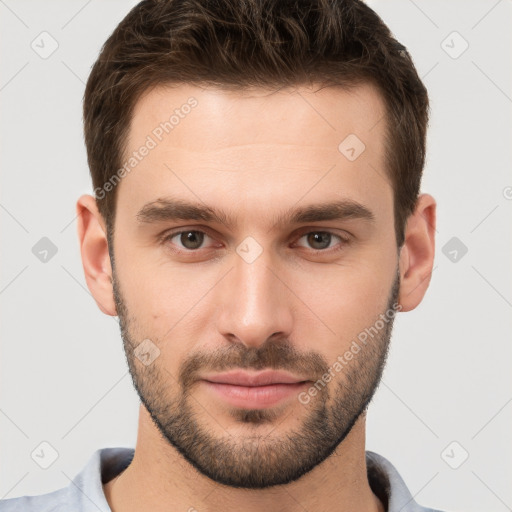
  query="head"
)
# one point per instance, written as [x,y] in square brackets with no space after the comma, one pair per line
[256,168]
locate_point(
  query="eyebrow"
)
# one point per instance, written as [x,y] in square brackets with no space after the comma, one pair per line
[168,209]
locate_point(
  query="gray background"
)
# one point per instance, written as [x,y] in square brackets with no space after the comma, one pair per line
[63,375]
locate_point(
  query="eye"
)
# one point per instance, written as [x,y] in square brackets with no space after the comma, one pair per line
[189,239]
[321,240]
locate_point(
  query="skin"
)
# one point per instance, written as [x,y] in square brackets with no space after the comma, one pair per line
[254,154]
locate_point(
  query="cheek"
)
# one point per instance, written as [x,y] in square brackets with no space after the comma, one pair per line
[340,305]
[167,302]
[153,284]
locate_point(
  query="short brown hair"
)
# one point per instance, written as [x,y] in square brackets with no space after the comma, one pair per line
[262,43]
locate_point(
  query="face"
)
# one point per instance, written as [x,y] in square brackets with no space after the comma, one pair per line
[254,235]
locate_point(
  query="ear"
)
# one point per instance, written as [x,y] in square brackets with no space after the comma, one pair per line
[92,236]
[417,253]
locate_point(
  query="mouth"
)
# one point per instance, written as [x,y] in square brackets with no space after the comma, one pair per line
[254,390]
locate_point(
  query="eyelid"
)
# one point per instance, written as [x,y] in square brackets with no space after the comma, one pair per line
[320,229]
[344,240]
[167,235]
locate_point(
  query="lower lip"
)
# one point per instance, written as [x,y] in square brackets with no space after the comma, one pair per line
[255,397]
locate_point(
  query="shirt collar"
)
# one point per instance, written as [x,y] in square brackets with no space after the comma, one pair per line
[106,463]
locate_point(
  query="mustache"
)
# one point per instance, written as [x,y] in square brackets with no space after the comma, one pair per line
[275,355]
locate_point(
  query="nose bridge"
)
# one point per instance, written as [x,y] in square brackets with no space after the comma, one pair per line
[254,302]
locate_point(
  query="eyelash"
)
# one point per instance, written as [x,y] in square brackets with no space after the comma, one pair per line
[344,240]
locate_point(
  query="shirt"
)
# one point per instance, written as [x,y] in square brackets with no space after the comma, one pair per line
[85,492]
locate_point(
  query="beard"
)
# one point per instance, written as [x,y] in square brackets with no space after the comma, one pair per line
[256,460]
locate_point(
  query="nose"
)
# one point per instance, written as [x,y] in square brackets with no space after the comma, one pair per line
[255,303]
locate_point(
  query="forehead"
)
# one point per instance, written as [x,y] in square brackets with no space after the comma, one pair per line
[255,146]
[276,116]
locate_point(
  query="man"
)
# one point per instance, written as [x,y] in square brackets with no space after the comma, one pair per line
[256,227]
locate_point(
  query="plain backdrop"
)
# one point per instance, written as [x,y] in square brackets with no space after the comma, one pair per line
[443,413]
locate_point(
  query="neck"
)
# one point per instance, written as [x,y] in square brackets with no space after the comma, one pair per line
[159,476]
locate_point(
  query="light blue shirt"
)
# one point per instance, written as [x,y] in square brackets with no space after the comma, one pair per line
[85,492]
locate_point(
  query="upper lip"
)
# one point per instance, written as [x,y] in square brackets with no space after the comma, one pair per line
[242,378]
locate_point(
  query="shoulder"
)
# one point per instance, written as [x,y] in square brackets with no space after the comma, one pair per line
[84,493]
[56,501]
[389,486]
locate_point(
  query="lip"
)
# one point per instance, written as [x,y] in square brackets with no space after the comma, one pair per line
[254,390]
[263,378]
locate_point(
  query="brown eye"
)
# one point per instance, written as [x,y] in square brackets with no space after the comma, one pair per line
[192,239]
[321,240]
[189,240]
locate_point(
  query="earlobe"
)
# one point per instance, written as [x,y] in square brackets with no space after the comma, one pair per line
[94,251]
[417,253]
